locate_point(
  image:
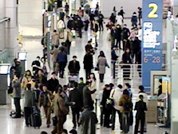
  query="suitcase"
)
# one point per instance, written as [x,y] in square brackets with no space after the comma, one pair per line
[36,118]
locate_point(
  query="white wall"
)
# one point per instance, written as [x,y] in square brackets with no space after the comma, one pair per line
[2,26]
[130,6]
[30,17]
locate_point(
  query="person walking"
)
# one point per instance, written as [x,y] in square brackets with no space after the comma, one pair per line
[88,63]
[119,19]
[45,100]
[75,96]
[100,21]
[74,66]
[62,61]
[88,121]
[87,99]
[116,95]
[55,39]
[54,54]
[126,107]
[53,83]
[60,111]
[140,107]
[125,36]
[102,64]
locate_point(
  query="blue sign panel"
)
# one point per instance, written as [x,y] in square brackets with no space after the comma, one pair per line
[151,39]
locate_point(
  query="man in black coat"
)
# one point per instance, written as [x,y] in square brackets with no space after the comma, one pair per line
[75,96]
[118,35]
[125,36]
[53,83]
[74,66]
[88,64]
[79,27]
[87,99]
[100,21]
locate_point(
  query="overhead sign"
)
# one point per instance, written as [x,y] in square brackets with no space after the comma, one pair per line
[152,39]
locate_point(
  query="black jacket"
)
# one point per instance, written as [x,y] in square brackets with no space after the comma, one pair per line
[87,100]
[106,94]
[76,96]
[88,62]
[126,58]
[52,84]
[140,107]
[125,33]
[74,67]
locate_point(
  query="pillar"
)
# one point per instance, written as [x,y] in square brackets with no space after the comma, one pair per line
[11,27]
[175,7]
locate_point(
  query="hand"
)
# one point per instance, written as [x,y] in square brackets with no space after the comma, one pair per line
[73,103]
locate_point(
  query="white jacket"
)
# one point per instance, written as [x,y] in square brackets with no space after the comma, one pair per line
[116,97]
[119,19]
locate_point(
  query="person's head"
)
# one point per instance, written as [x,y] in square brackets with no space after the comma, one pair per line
[65,88]
[43,132]
[64,131]
[28,73]
[141,88]
[45,88]
[121,7]
[74,58]
[54,31]
[111,85]
[17,62]
[134,13]
[102,54]
[160,81]
[81,79]
[40,72]
[53,75]
[88,83]
[141,97]
[127,50]
[107,87]
[73,131]
[38,58]
[126,92]
[75,84]
[120,86]
[92,76]
[127,86]
[125,25]
[28,86]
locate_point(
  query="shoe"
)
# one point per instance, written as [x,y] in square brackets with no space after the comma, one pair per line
[48,126]
[17,117]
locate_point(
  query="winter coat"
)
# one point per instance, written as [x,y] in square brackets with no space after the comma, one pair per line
[102,63]
[28,95]
[87,99]
[88,121]
[119,19]
[62,57]
[59,106]
[123,100]
[126,58]
[88,62]
[74,67]
[45,99]
[55,53]
[53,84]
[116,95]
[16,88]
[106,94]
[55,38]
[76,96]
[134,19]
[125,33]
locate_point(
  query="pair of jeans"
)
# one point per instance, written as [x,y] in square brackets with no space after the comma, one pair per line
[140,118]
[17,106]
[87,72]
[101,76]
[126,122]
[114,118]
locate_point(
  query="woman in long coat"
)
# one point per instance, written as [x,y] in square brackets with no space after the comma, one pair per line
[102,64]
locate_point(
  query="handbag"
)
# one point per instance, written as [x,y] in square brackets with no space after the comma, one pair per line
[110,102]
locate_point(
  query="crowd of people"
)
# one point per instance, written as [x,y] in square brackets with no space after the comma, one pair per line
[41,93]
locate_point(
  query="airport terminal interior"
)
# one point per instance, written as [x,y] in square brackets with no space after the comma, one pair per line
[27,31]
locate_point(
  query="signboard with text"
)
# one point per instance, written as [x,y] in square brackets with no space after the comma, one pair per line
[151,39]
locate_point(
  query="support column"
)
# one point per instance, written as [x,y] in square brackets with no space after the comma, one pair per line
[175,7]
[11,27]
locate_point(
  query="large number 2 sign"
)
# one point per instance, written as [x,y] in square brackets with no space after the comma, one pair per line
[153,14]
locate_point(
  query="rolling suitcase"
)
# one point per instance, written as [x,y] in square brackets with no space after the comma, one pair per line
[36,118]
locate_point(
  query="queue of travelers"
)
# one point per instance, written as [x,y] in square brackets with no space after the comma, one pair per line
[55,99]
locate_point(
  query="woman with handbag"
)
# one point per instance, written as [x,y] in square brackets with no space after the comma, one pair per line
[102,64]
